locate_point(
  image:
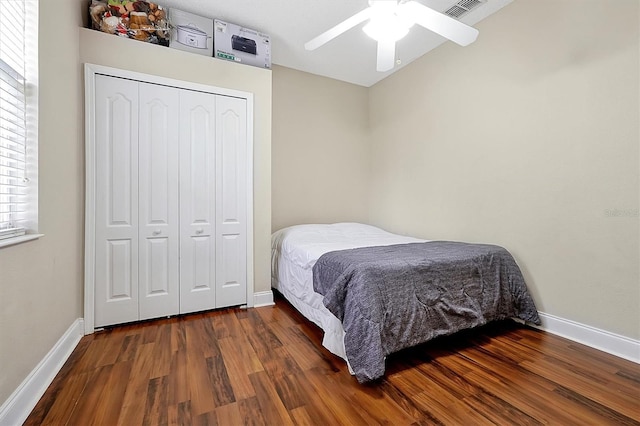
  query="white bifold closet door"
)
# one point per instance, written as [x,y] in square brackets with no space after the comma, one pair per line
[231,201]
[171,200]
[158,201]
[197,201]
[137,206]
[116,214]
[213,197]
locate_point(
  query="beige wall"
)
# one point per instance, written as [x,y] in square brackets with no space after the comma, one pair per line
[320,150]
[529,139]
[41,281]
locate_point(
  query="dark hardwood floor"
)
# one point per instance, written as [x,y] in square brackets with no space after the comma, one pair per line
[267,366]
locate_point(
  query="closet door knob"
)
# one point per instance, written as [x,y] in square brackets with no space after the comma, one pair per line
[157,232]
[199,231]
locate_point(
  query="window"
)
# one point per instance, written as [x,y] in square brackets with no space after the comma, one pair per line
[18,119]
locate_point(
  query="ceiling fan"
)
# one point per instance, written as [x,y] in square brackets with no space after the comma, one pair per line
[390,20]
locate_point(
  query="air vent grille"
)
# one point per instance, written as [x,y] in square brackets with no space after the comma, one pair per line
[462,8]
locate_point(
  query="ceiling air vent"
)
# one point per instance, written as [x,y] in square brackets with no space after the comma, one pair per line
[462,8]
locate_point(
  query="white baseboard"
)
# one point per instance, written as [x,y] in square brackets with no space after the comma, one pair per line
[614,344]
[263,298]
[16,409]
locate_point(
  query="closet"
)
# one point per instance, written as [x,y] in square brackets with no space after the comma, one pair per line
[168,199]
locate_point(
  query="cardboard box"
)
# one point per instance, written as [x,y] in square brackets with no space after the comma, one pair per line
[191,33]
[235,43]
[124,20]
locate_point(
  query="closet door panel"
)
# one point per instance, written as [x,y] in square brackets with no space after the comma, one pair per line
[119,267]
[197,201]
[116,214]
[158,201]
[231,196]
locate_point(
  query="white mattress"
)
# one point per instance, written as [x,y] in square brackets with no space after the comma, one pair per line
[294,251]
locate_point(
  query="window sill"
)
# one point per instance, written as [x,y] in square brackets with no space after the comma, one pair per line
[21,239]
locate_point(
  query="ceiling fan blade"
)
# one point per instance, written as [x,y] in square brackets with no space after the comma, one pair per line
[334,32]
[439,23]
[386,55]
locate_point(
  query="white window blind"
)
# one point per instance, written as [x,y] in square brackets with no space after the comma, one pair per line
[13,115]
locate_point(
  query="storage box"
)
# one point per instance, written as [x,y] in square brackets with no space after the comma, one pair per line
[235,43]
[140,20]
[192,33]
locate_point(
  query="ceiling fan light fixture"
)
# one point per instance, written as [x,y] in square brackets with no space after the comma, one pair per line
[390,20]
[386,28]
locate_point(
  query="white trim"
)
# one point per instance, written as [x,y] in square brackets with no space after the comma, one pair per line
[250,235]
[17,240]
[90,71]
[263,298]
[33,116]
[90,199]
[19,405]
[154,79]
[614,344]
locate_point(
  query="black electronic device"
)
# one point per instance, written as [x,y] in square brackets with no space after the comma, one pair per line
[243,44]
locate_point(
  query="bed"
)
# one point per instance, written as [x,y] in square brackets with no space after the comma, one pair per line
[374,293]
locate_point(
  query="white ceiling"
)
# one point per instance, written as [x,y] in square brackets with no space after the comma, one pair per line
[350,57]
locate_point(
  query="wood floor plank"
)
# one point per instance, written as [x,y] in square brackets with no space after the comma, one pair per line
[199,382]
[378,405]
[585,364]
[129,347]
[228,414]
[267,366]
[335,400]
[496,409]
[221,385]
[107,409]
[156,409]
[135,394]
[301,417]
[408,404]
[150,330]
[541,403]
[447,379]
[260,336]
[272,315]
[278,363]
[178,335]
[289,391]
[201,336]
[449,412]
[270,404]
[206,419]
[226,325]
[93,353]
[240,349]
[251,413]
[240,360]
[598,411]
[60,405]
[112,350]
[184,413]
[314,406]
[590,386]
[84,412]
[64,403]
[179,378]
[163,352]
[307,356]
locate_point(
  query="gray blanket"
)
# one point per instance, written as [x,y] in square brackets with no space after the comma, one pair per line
[394,297]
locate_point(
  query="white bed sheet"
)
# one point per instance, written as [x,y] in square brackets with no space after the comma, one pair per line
[294,251]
